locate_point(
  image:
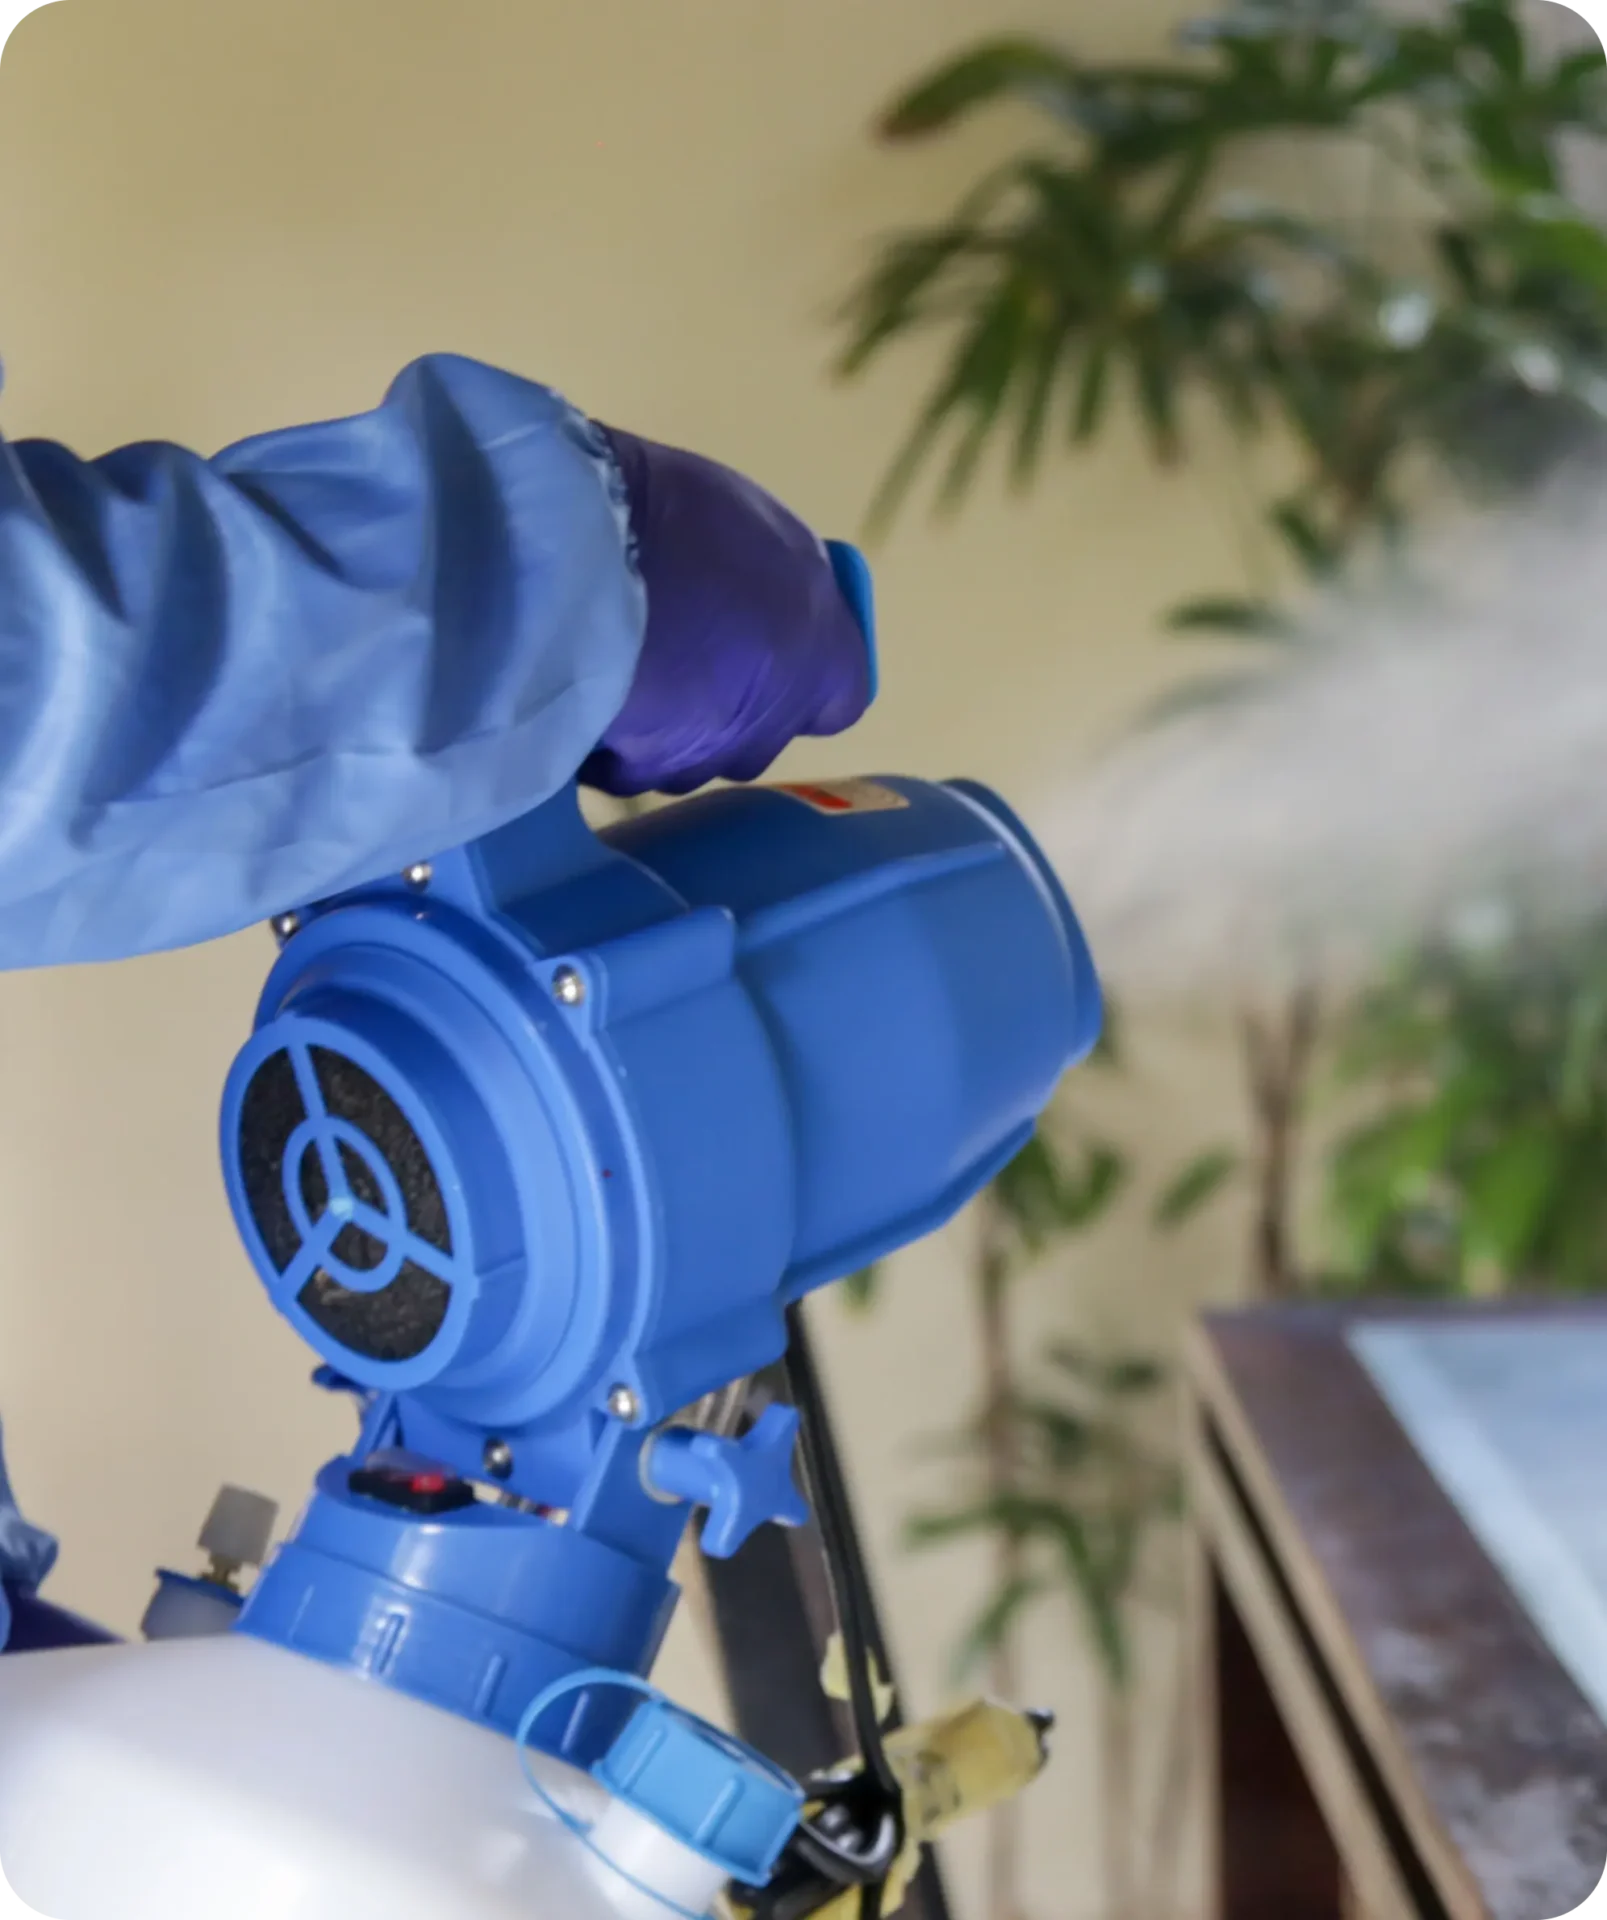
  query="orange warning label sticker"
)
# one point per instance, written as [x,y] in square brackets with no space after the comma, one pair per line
[848,796]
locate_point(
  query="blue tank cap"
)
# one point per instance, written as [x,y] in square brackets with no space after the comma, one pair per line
[705,1789]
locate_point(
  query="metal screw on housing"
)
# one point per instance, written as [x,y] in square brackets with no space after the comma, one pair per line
[285,926]
[568,989]
[624,1405]
[419,875]
[498,1457]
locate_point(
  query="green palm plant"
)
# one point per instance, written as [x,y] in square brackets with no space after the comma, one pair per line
[1115,258]
[1479,1167]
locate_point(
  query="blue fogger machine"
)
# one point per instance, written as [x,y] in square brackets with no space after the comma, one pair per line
[534,1148]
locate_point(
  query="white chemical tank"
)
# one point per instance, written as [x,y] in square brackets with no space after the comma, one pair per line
[194,1778]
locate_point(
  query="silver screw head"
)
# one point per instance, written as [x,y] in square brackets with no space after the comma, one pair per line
[419,875]
[568,989]
[624,1405]
[498,1457]
[285,926]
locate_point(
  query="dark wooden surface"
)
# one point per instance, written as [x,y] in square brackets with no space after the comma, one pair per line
[1498,1764]
[1277,1856]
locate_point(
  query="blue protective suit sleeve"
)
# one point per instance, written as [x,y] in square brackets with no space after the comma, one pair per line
[229,686]
[27,1554]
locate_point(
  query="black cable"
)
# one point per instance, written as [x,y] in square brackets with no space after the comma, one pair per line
[851,1594]
[850,1582]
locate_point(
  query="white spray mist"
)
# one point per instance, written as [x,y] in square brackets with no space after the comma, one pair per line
[1430,749]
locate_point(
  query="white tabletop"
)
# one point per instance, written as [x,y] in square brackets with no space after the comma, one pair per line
[1512,1421]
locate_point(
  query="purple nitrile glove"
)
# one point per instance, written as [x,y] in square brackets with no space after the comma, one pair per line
[750,642]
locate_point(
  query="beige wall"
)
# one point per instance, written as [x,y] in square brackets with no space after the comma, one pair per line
[219,218]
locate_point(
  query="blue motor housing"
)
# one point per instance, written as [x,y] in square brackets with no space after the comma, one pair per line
[536,1146]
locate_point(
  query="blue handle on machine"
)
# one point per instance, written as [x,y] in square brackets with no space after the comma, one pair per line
[743,1483]
[853,577]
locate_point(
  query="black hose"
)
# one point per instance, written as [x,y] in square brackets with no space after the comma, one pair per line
[851,1594]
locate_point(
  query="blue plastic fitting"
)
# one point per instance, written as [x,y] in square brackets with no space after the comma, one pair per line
[706,1790]
[743,1483]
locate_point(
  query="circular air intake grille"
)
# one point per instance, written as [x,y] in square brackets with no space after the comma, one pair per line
[349,1210]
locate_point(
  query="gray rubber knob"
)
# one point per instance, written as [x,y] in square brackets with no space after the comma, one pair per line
[239,1529]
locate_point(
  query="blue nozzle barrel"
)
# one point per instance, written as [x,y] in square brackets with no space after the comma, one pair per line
[920,976]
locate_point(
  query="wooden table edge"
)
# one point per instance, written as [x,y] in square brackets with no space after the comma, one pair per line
[1209,1386]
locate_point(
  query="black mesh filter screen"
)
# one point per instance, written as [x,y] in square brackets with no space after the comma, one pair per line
[397,1322]
[351,1094]
[314,1183]
[360,1178]
[358,1250]
[270,1113]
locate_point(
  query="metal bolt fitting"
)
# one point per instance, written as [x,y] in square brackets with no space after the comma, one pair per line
[498,1457]
[568,989]
[285,926]
[624,1405]
[419,875]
